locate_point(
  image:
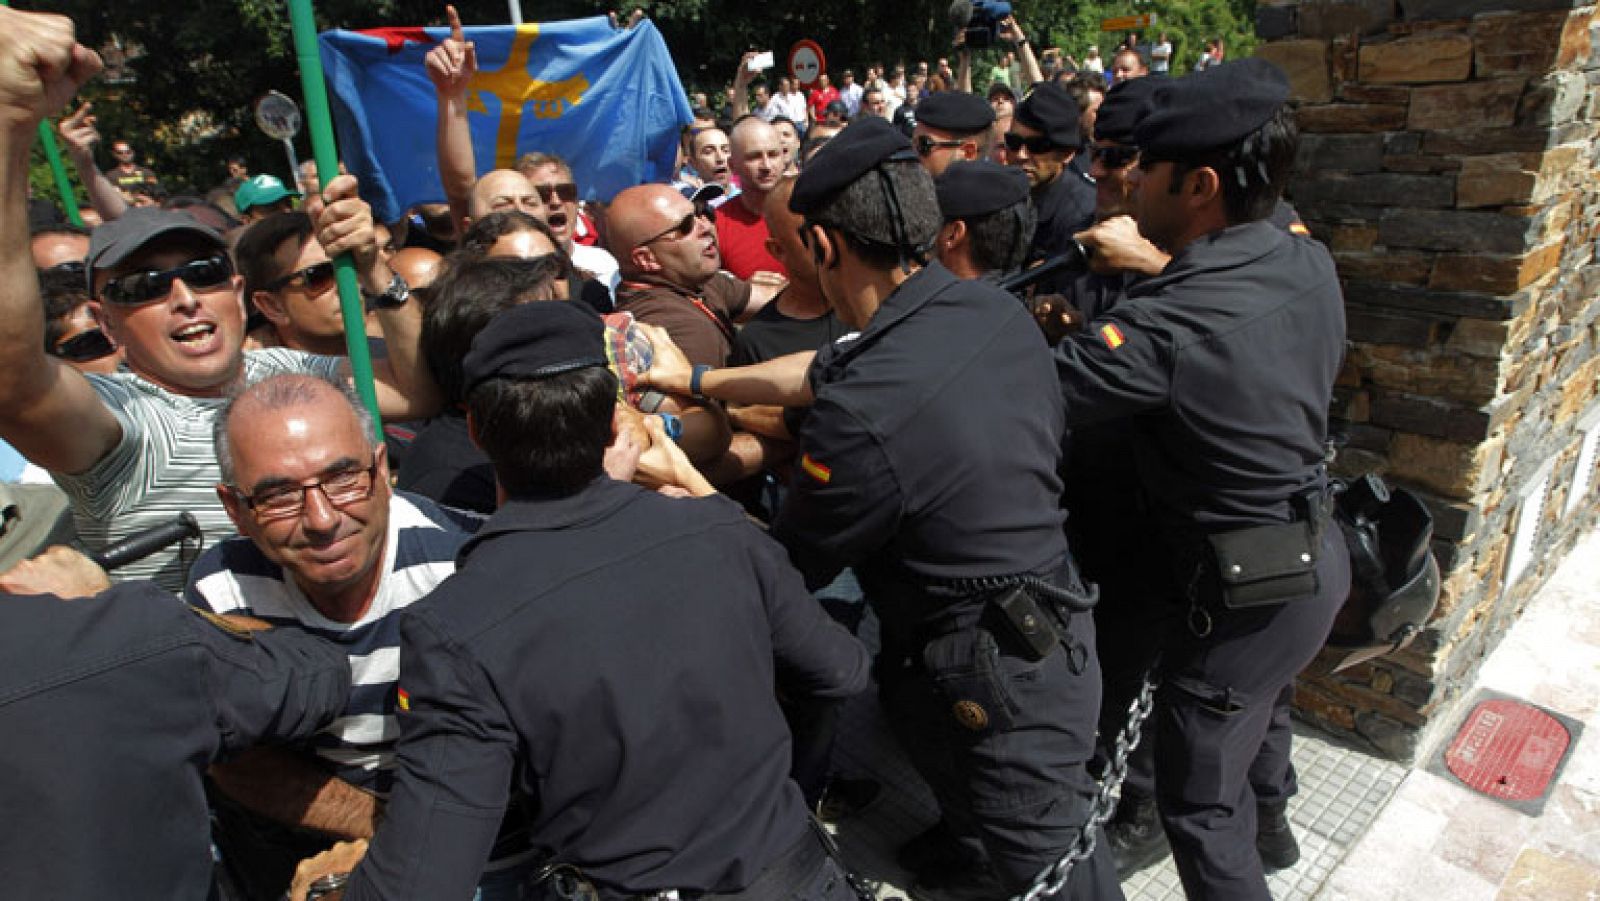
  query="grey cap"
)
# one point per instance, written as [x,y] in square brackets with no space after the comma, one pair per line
[122,237]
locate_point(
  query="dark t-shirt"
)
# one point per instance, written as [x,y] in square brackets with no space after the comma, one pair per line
[770,334]
[703,331]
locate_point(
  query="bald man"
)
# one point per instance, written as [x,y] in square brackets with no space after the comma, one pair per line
[671,266]
[503,189]
[759,160]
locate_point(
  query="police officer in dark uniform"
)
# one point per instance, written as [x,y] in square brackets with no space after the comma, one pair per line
[111,707]
[1227,358]
[988,219]
[1045,136]
[611,651]
[929,465]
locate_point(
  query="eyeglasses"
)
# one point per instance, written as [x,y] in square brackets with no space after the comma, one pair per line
[1034,143]
[925,145]
[684,227]
[1116,156]
[567,191]
[89,344]
[342,488]
[313,279]
[139,288]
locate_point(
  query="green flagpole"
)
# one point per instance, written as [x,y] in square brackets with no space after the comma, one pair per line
[47,137]
[324,151]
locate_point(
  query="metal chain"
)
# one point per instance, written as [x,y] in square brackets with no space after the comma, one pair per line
[1054,877]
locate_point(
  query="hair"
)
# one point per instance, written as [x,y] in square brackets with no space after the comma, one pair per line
[1081,84]
[861,212]
[483,233]
[999,241]
[545,436]
[260,241]
[281,391]
[537,160]
[61,292]
[464,298]
[1252,172]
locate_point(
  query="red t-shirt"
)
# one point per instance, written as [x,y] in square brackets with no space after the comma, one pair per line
[742,237]
[820,99]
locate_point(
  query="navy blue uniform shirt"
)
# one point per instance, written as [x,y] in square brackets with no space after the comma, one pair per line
[1065,207]
[931,449]
[111,708]
[1235,347]
[614,653]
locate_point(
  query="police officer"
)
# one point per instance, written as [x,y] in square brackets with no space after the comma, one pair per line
[1228,359]
[112,706]
[611,651]
[951,126]
[929,465]
[988,218]
[1045,137]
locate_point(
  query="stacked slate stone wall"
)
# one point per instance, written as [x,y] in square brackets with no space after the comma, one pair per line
[1449,163]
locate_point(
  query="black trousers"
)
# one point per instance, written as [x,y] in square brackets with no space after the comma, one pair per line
[1004,743]
[1222,727]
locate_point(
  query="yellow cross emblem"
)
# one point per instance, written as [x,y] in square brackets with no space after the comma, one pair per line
[516,89]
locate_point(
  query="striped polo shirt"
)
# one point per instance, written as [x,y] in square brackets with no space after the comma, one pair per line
[423,537]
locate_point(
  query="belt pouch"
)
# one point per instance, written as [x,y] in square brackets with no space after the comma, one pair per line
[1265,566]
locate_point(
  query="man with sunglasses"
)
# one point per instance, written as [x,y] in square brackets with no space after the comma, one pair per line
[952,125]
[130,449]
[1251,315]
[61,245]
[1044,138]
[326,546]
[289,279]
[552,178]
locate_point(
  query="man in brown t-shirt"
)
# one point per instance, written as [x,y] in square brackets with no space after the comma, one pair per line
[666,246]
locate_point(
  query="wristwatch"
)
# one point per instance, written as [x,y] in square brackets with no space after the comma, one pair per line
[393,297]
[695,375]
[326,885]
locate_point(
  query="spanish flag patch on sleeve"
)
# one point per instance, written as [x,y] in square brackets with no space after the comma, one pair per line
[1111,335]
[403,697]
[1298,228]
[816,470]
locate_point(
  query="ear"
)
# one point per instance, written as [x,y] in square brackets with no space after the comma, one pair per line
[271,306]
[472,431]
[235,508]
[644,260]
[1207,185]
[953,234]
[103,320]
[823,249]
[380,456]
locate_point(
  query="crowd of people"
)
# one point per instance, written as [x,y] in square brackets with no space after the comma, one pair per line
[1038,377]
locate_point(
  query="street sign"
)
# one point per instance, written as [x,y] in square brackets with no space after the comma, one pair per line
[806,63]
[1128,23]
[278,116]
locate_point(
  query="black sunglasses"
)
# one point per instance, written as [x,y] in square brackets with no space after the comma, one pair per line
[925,145]
[139,288]
[566,191]
[314,279]
[90,344]
[684,227]
[70,267]
[1034,143]
[1116,156]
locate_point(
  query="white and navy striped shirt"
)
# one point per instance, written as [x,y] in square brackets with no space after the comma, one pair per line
[419,553]
[164,463]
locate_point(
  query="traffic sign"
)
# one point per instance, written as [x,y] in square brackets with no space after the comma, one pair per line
[1128,23]
[806,63]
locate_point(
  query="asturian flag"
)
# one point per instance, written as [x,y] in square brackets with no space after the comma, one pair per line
[607,101]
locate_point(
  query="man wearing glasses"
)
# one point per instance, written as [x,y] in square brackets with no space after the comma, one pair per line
[131,449]
[324,546]
[289,279]
[1045,135]
[552,178]
[952,125]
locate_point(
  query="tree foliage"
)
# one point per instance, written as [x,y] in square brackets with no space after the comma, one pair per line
[188,104]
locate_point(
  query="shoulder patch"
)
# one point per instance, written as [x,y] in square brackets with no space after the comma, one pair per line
[1111,335]
[224,625]
[816,470]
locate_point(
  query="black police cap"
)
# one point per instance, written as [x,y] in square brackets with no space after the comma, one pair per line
[852,153]
[1125,106]
[955,111]
[978,188]
[1212,108]
[1051,111]
[534,341]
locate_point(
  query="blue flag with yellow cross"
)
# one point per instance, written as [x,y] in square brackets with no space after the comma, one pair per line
[606,100]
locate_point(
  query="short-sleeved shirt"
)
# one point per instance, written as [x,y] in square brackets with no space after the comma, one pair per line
[419,553]
[164,464]
[701,324]
[742,237]
[819,100]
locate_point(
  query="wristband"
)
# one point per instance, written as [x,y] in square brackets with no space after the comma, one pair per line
[694,381]
[672,425]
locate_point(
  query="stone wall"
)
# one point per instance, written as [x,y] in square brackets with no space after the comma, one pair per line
[1448,162]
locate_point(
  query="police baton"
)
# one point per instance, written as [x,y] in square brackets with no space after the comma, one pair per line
[1075,258]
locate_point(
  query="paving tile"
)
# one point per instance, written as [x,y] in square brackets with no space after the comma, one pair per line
[1538,876]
